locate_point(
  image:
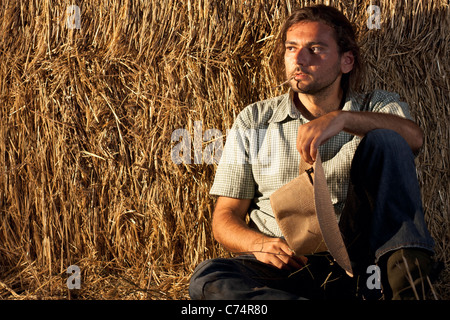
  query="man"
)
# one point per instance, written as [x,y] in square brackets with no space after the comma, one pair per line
[367,145]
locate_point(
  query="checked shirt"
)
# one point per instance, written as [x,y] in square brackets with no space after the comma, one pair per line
[260,153]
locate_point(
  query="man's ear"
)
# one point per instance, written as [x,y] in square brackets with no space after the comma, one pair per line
[347,60]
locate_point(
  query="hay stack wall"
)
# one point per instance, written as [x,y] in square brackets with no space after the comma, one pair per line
[89,109]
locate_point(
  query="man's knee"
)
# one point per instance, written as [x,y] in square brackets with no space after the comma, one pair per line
[382,152]
[208,275]
[198,280]
[382,145]
[384,139]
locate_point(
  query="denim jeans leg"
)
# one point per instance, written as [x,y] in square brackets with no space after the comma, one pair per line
[245,278]
[384,209]
[239,278]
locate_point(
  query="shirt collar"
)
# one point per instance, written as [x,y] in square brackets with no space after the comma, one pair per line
[287,108]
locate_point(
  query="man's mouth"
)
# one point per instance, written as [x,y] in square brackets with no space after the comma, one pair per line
[300,76]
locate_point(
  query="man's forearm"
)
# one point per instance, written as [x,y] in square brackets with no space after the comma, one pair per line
[313,134]
[231,231]
[234,234]
[359,123]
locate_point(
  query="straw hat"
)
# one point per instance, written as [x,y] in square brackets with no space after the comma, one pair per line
[306,216]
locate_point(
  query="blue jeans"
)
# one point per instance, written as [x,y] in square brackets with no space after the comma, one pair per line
[383,213]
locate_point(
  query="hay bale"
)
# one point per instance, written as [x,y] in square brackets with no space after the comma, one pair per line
[87,117]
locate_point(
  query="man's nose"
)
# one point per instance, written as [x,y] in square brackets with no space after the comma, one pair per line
[302,57]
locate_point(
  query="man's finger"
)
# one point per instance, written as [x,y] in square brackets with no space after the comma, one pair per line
[312,152]
[306,146]
[302,260]
[288,258]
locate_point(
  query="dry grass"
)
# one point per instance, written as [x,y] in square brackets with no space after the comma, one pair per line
[87,115]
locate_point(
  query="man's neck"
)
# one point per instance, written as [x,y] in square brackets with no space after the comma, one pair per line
[314,106]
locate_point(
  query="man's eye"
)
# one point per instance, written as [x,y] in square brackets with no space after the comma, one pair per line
[316,49]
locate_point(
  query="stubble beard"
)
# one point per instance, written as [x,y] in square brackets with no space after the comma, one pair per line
[315,87]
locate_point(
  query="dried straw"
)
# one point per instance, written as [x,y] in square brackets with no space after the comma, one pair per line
[87,118]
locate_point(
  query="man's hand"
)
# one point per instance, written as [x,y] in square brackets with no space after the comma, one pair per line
[313,134]
[276,252]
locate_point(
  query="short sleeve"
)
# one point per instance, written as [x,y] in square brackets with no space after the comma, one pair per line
[388,102]
[234,176]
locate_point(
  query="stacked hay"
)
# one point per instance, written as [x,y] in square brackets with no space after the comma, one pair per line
[88,116]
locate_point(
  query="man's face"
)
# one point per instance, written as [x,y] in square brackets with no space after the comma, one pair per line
[312,58]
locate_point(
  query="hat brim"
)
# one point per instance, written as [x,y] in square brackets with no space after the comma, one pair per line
[327,219]
[306,217]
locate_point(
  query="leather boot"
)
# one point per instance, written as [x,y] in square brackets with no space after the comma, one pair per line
[407,271]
